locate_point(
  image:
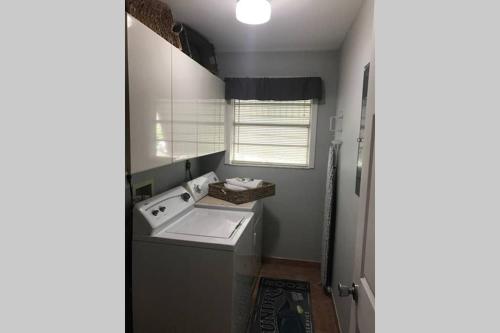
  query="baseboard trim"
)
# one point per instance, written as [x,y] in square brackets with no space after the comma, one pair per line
[339,329]
[292,262]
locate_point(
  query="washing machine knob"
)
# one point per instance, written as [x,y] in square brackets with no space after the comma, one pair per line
[161,208]
[154,212]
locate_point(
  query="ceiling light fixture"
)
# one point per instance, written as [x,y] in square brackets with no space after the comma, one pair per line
[253,11]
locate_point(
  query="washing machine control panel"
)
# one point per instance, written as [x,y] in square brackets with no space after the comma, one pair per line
[198,187]
[153,213]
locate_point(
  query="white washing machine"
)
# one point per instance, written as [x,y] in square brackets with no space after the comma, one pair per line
[198,188]
[192,268]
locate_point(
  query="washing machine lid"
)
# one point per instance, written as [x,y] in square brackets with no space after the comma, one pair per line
[207,223]
[211,202]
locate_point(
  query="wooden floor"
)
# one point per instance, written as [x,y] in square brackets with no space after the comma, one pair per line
[324,319]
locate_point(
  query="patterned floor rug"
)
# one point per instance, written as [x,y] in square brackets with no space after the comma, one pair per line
[282,306]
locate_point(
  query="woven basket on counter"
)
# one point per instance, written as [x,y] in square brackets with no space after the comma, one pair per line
[217,190]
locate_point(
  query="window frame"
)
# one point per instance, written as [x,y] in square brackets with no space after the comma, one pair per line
[230,135]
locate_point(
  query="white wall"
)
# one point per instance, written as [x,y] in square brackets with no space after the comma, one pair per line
[354,55]
[294,216]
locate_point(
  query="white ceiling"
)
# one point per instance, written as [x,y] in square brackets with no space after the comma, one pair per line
[295,25]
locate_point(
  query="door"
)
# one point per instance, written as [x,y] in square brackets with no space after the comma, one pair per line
[150,97]
[207,114]
[362,289]
[221,110]
[210,115]
[186,91]
[363,309]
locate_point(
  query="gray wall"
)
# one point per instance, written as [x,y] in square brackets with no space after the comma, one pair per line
[355,54]
[294,216]
[166,177]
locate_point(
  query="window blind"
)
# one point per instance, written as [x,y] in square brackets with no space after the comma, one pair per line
[272,132]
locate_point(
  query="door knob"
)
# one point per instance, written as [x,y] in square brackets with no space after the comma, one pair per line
[346,290]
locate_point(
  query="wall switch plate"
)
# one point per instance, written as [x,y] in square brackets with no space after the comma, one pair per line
[333,122]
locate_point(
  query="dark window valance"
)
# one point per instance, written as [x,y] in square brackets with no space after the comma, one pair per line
[274,89]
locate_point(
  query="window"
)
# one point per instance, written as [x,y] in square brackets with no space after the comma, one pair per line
[272,133]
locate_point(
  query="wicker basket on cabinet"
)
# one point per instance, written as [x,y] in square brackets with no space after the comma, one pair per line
[217,190]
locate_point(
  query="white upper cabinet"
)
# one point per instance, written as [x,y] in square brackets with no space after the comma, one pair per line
[221,112]
[207,116]
[197,96]
[176,105]
[150,97]
[186,89]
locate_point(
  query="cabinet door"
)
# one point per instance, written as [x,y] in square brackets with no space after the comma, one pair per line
[186,92]
[150,97]
[211,116]
[207,115]
[221,112]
